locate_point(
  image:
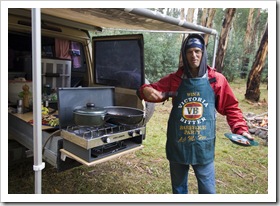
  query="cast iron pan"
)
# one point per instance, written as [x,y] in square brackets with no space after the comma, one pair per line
[124,115]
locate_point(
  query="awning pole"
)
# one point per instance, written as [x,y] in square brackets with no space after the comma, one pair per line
[171,20]
[37,98]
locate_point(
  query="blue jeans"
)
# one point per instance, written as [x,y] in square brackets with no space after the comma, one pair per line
[205,175]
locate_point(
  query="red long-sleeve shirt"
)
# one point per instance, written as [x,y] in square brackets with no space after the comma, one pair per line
[226,102]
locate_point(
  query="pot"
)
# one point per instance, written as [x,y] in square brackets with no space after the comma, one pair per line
[89,115]
[124,115]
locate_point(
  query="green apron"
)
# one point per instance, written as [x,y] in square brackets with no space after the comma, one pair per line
[191,131]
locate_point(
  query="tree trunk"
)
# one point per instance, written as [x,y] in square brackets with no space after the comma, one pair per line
[204,17]
[255,31]
[209,23]
[247,47]
[254,78]
[182,14]
[190,15]
[224,38]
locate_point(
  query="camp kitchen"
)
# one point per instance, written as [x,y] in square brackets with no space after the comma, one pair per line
[84,78]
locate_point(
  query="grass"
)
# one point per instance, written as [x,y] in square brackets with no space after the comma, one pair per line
[239,170]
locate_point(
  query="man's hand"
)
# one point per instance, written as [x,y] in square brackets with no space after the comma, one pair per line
[246,134]
[152,94]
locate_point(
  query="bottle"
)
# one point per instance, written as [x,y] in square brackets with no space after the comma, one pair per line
[47,89]
[19,106]
[47,103]
[26,95]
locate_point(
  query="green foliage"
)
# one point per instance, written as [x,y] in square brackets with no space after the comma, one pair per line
[218,19]
[238,30]
[233,57]
[161,54]
[235,48]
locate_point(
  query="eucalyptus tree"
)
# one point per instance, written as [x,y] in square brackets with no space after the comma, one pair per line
[254,78]
[247,45]
[222,46]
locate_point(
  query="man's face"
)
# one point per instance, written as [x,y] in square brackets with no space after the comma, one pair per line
[194,56]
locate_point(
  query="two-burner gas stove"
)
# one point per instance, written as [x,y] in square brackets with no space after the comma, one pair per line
[90,144]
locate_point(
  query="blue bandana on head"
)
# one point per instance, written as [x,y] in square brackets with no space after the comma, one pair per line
[194,42]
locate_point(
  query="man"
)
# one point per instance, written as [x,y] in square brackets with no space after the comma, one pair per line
[197,91]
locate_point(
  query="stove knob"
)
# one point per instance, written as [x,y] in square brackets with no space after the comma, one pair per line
[139,131]
[106,139]
[131,133]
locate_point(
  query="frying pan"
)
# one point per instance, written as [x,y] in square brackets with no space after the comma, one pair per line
[97,116]
[124,115]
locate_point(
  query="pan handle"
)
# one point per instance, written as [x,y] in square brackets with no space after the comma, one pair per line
[107,117]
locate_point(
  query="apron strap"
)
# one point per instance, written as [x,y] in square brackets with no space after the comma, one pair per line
[212,80]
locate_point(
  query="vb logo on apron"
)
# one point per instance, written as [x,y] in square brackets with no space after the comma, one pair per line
[192,110]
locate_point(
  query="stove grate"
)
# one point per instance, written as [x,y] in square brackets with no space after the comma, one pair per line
[87,132]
